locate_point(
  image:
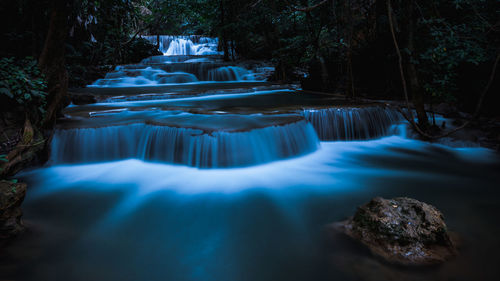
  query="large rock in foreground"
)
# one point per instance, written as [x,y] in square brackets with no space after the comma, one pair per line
[11,198]
[402,231]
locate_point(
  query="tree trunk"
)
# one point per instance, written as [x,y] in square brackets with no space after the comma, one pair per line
[34,29]
[417,96]
[52,61]
[350,78]
[415,88]
[233,55]
[225,45]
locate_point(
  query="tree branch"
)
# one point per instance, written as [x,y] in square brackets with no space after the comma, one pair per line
[307,9]
[135,35]
[253,5]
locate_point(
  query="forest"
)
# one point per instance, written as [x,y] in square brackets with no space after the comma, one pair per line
[447,48]
[218,97]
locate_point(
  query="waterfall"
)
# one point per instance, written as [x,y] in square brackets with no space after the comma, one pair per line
[186,45]
[186,59]
[353,123]
[229,73]
[172,73]
[126,77]
[192,147]
[181,47]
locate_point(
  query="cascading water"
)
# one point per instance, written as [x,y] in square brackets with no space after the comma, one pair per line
[229,73]
[148,76]
[186,146]
[186,59]
[233,181]
[353,123]
[186,45]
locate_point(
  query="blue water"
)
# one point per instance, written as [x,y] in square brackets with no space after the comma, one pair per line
[135,220]
[239,184]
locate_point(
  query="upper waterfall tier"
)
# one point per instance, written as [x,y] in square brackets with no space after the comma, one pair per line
[185,45]
[186,59]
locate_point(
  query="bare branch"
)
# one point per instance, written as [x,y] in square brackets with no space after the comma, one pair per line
[307,9]
[135,34]
[253,5]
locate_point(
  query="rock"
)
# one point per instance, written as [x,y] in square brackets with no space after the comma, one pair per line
[82,98]
[402,231]
[11,197]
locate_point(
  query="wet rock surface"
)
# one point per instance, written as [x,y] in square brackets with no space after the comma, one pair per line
[11,198]
[402,231]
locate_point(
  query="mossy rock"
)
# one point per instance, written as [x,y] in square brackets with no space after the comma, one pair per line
[402,231]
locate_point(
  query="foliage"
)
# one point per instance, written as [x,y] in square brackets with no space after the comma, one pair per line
[101,33]
[22,83]
[446,43]
[3,159]
[342,42]
[454,39]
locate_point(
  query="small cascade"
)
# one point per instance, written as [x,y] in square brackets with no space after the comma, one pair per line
[181,47]
[155,60]
[174,73]
[353,123]
[229,73]
[185,45]
[186,146]
[126,77]
[186,59]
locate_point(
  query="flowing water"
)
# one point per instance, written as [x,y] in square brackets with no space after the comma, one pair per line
[190,169]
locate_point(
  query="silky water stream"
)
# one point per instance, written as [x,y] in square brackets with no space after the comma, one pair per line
[190,169]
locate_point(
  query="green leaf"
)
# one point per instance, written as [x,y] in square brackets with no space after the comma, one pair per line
[3,158]
[41,109]
[37,93]
[6,92]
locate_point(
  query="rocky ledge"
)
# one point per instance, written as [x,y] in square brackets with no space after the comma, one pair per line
[402,231]
[11,197]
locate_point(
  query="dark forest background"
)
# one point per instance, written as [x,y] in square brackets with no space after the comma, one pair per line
[435,51]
